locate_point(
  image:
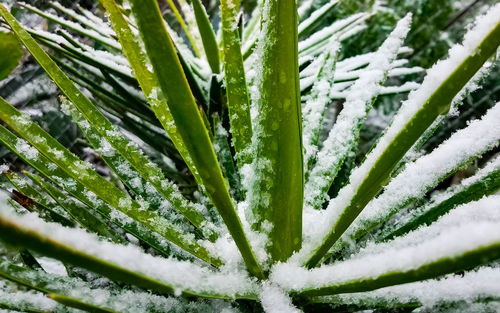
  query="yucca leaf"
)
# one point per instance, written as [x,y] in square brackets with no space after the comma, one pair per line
[252,26]
[181,21]
[277,186]
[430,101]
[223,150]
[135,179]
[249,37]
[78,211]
[446,265]
[315,18]
[424,294]
[207,36]
[426,173]
[11,53]
[303,8]
[82,172]
[343,137]
[65,181]
[314,108]
[29,260]
[43,202]
[76,54]
[238,101]
[38,281]
[464,193]
[106,41]
[105,128]
[71,302]
[126,264]
[25,301]
[112,297]
[407,259]
[99,27]
[313,45]
[184,110]
[147,80]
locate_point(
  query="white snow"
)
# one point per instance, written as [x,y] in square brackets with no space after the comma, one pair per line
[345,130]
[426,172]
[182,275]
[275,300]
[471,226]
[435,77]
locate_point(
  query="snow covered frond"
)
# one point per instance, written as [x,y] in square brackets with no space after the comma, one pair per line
[426,172]
[262,156]
[485,182]
[471,287]
[90,292]
[162,274]
[444,247]
[343,135]
[313,111]
[26,300]
[422,108]
[104,39]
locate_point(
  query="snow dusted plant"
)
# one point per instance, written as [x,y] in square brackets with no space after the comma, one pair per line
[250,115]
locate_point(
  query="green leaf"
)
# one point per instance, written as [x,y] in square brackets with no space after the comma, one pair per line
[38,280]
[190,125]
[317,104]
[147,80]
[106,41]
[11,52]
[141,177]
[207,36]
[278,185]
[18,231]
[42,201]
[73,303]
[82,19]
[223,151]
[432,107]
[81,171]
[485,186]
[185,27]
[29,260]
[53,172]
[236,87]
[78,211]
[344,135]
[315,18]
[469,259]
[16,235]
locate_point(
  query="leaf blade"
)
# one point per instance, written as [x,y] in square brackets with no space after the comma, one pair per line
[187,117]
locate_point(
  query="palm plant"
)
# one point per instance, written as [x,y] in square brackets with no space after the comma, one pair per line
[228,204]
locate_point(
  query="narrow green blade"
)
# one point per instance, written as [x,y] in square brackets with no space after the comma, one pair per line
[78,211]
[83,173]
[190,125]
[11,52]
[236,86]
[59,177]
[429,102]
[207,36]
[276,191]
